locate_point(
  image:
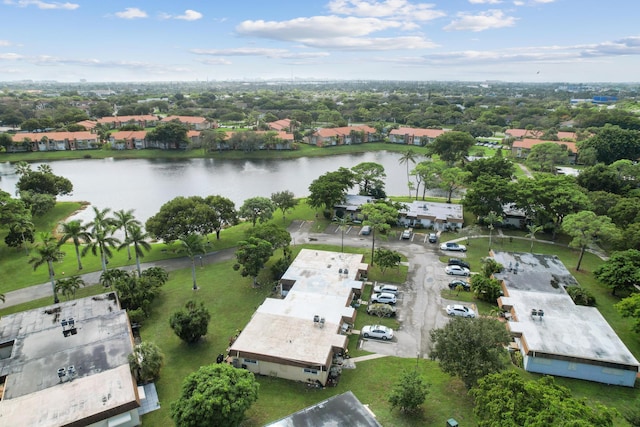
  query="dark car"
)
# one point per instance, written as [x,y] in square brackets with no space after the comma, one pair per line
[433,238]
[461,263]
[453,285]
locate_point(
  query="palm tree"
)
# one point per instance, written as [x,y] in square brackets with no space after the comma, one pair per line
[121,221]
[44,168]
[491,219]
[533,229]
[409,156]
[77,232]
[137,237]
[110,277]
[48,251]
[22,225]
[69,286]
[192,245]
[102,241]
[22,168]
[145,361]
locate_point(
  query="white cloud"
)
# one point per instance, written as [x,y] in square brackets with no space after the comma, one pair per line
[131,13]
[5,43]
[190,15]
[483,21]
[42,4]
[395,9]
[370,44]
[485,1]
[215,61]
[10,56]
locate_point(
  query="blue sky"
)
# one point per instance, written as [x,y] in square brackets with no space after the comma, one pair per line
[471,40]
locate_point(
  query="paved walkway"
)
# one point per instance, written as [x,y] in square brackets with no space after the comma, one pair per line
[93,278]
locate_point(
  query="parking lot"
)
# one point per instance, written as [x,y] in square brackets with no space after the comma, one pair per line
[420,307]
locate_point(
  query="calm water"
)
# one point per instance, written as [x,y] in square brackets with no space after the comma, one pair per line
[145,185]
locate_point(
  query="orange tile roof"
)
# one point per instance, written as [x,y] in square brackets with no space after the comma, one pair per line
[128,134]
[185,119]
[528,143]
[280,124]
[430,133]
[125,119]
[88,124]
[54,136]
[537,134]
[345,130]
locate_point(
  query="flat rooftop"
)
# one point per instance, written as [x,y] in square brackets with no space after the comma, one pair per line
[533,272]
[35,348]
[440,211]
[325,272]
[565,329]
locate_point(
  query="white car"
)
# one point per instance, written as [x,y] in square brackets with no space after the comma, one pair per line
[383,298]
[460,310]
[377,331]
[406,234]
[456,270]
[452,246]
[391,289]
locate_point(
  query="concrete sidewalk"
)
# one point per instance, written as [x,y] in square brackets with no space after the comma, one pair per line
[93,278]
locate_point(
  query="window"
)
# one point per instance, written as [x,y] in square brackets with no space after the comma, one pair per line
[311,371]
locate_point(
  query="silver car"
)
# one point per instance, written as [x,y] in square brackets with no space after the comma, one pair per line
[377,331]
[383,298]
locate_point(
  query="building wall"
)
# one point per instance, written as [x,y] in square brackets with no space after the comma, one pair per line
[272,369]
[582,371]
[120,420]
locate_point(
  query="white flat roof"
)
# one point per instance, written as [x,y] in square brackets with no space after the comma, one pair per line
[565,329]
[533,272]
[439,211]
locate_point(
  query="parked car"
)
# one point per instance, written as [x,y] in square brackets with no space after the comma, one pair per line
[460,310]
[456,270]
[391,289]
[406,234]
[453,285]
[377,331]
[451,246]
[381,310]
[461,263]
[433,237]
[366,230]
[384,298]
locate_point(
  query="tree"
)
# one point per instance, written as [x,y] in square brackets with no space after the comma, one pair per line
[68,286]
[497,166]
[224,211]
[330,189]
[451,180]
[44,183]
[48,252]
[451,146]
[586,228]
[6,142]
[379,216]
[251,256]
[183,216]
[491,219]
[470,348]
[21,230]
[257,209]
[110,277]
[630,307]
[409,156]
[146,361]
[191,322]
[192,245]
[171,134]
[612,143]
[37,203]
[138,238]
[370,177]
[488,193]
[272,233]
[102,239]
[284,200]
[486,288]
[506,399]
[122,220]
[532,229]
[215,395]
[545,156]
[427,173]
[621,272]
[77,232]
[410,392]
[386,258]
[134,293]
[11,210]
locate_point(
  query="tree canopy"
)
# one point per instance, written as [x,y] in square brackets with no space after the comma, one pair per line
[621,272]
[215,395]
[506,399]
[451,146]
[409,392]
[181,217]
[587,228]
[370,176]
[284,200]
[330,189]
[470,348]
[191,322]
[257,209]
[251,256]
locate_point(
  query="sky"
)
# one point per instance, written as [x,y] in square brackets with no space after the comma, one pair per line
[578,41]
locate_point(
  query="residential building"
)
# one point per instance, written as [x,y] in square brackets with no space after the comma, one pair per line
[413,136]
[281,125]
[299,336]
[128,139]
[346,135]
[116,122]
[432,215]
[55,141]
[67,365]
[537,134]
[352,206]
[522,147]
[194,122]
[554,335]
